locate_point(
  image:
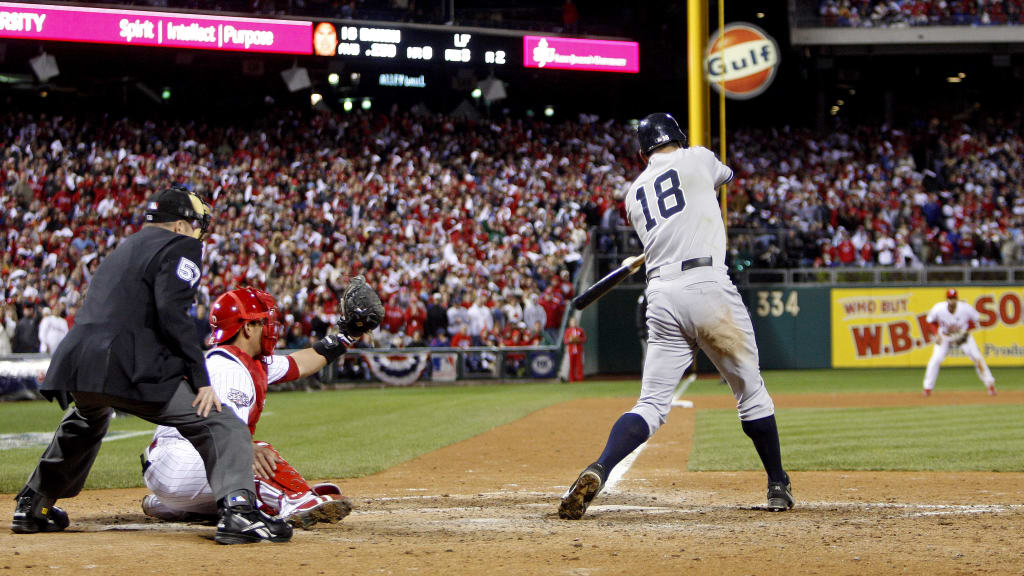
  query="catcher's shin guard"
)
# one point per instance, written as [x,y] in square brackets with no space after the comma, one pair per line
[288,496]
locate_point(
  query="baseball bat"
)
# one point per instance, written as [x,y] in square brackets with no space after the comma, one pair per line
[602,286]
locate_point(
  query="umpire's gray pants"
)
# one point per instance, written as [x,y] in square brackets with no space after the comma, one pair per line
[221,438]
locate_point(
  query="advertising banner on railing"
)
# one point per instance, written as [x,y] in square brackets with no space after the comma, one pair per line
[558,53]
[874,327]
[143,28]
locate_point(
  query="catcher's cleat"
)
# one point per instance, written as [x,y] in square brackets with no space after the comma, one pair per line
[330,509]
[780,496]
[240,523]
[325,489]
[582,492]
[35,513]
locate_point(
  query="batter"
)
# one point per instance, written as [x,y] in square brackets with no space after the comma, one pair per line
[955,320]
[691,303]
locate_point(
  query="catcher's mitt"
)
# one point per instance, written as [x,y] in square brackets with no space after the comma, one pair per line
[361,309]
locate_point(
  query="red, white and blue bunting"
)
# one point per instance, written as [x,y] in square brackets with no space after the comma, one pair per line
[400,369]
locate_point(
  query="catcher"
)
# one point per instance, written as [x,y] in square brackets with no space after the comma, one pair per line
[241,366]
[955,320]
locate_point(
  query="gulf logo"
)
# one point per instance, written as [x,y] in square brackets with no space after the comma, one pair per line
[741,60]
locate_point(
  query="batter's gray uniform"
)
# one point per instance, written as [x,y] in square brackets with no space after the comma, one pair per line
[691,302]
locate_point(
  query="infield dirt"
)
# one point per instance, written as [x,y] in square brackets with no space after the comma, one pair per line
[488,506]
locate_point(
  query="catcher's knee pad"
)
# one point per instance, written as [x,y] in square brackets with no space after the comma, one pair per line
[286,484]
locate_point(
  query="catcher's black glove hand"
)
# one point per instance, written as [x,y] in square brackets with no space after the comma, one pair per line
[361,309]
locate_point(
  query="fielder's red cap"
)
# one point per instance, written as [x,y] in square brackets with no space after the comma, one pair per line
[951,294]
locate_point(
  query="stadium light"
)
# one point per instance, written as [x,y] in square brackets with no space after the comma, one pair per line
[365,105]
[852,91]
[954,80]
[476,93]
[529,113]
[333,79]
[760,15]
[840,102]
[347,105]
[549,111]
[166,94]
[961,75]
[316,98]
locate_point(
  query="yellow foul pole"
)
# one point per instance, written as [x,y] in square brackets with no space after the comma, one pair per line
[697,84]
[721,126]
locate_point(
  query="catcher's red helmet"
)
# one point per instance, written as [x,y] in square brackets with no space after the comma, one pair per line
[951,294]
[235,308]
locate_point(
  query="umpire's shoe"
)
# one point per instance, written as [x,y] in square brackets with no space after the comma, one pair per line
[36,513]
[240,523]
[582,492]
[780,496]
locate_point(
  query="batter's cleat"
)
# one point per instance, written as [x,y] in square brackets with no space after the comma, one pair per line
[240,523]
[35,513]
[330,509]
[780,496]
[926,393]
[582,492]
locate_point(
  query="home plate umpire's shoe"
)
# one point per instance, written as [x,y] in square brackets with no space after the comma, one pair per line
[582,492]
[35,513]
[240,523]
[780,496]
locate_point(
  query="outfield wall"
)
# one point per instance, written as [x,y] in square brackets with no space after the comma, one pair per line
[827,327]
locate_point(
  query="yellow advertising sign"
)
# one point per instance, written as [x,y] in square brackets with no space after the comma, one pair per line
[874,327]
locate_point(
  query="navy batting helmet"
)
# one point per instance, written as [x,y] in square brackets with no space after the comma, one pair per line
[657,130]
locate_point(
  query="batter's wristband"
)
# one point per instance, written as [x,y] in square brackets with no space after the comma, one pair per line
[332,347]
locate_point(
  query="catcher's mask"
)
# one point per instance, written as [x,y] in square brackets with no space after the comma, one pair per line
[243,305]
[177,203]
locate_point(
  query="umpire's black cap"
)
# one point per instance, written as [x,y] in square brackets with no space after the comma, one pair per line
[177,203]
[657,130]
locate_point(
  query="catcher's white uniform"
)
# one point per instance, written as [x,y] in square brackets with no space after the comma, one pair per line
[176,473]
[691,302]
[954,330]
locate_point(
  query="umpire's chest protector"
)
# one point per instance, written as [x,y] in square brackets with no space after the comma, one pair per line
[118,345]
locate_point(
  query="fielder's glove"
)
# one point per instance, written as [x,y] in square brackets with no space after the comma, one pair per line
[957,338]
[361,309]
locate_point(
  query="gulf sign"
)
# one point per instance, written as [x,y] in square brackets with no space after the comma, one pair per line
[741,60]
[888,326]
[559,53]
[140,28]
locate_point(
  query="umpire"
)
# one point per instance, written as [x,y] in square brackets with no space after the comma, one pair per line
[135,349]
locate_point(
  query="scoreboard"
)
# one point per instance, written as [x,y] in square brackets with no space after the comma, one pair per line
[355,42]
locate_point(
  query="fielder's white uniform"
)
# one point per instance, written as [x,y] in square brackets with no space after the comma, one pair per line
[176,473]
[953,323]
[673,205]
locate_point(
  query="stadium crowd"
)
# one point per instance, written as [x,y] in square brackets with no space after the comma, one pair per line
[470,231]
[901,13]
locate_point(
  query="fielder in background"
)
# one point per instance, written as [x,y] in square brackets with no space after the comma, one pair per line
[955,320]
[574,339]
[241,367]
[691,303]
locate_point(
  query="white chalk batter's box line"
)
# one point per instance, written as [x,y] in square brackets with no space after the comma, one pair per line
[34,439]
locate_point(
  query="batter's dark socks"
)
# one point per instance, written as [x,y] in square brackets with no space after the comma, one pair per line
[765,435]
[629,431]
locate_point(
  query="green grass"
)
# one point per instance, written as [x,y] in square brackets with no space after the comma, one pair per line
[330,434]
[973,437]
[338,434]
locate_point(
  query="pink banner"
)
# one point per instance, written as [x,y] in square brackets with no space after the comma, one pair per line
[579,54]
[139,28]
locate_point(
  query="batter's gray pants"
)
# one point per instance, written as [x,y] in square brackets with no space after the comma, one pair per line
[699,308]
[221,439]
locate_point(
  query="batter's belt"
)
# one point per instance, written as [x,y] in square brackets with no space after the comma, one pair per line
[683,266]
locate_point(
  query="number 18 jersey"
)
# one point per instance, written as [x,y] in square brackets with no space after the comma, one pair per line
[673,206]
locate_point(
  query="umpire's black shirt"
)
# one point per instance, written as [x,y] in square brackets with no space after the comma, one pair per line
[133,337]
